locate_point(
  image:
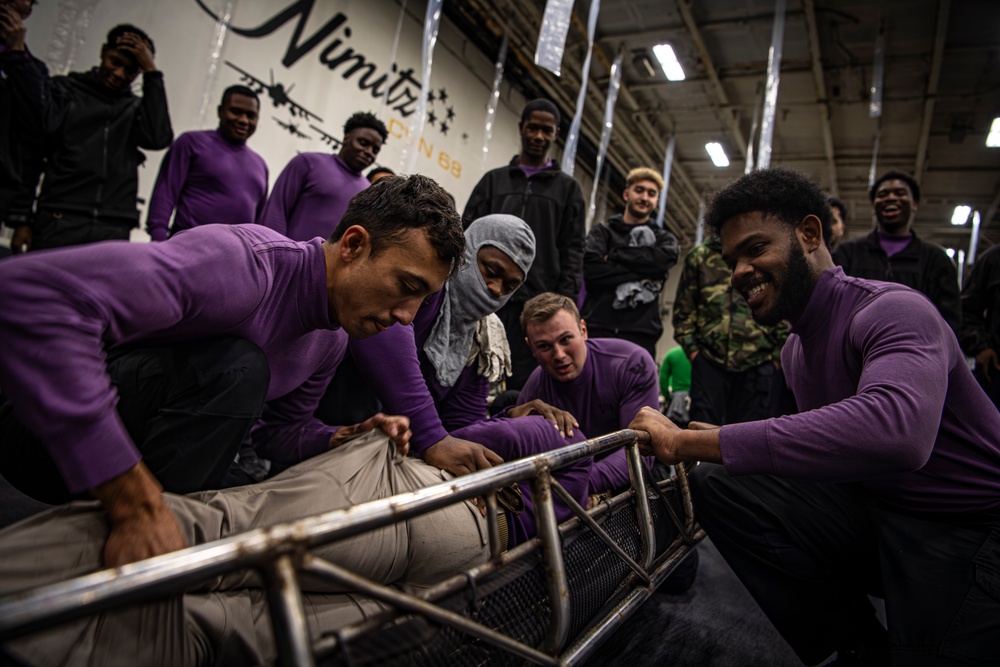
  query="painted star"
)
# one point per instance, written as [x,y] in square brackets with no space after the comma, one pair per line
[431,117]
[442,95]
[430,97]
[444,127]
[451,113]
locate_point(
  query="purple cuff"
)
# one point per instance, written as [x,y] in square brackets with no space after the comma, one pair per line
[746,449]
[91,460]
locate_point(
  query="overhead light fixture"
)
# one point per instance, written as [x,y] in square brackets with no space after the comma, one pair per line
[668,62]
[950,252]
[717,154]
[993,138]
[961,215]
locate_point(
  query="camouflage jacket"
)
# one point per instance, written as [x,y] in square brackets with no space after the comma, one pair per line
[712,317]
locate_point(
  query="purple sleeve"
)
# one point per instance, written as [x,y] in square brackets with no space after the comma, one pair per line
[259,213]
[611,472]
[281,204]
[640,388]
[888,426]
[518,438]
[169,182]
[389,360]
[288,432]
[70,304]
[466,403]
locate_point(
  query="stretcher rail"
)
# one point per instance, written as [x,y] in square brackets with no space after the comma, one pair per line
[280,552]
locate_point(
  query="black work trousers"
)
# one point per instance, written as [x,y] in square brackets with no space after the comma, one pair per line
[719,396]
[187,407]
[58,229]
[810,553]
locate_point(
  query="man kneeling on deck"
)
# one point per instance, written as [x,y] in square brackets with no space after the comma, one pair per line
[133,368]
[886,483]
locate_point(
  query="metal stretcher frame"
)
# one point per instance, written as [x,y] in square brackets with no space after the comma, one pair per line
[279,552]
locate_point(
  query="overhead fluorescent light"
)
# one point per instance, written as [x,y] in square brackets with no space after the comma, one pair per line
[993,138]
[718,155]
[668,62]
[961,215]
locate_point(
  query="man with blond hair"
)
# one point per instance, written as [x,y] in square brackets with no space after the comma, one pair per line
[625,263]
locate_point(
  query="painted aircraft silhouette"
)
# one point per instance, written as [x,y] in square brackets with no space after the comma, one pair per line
[291,128]
[277,92]
[328,139]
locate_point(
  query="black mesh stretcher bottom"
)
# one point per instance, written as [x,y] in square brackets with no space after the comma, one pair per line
[514,599]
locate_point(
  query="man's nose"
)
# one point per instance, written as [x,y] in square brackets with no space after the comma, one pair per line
[495,286]
[405,313]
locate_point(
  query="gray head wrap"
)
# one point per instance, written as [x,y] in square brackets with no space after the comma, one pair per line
[467,299]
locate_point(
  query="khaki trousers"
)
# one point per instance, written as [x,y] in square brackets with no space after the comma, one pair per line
[225,620]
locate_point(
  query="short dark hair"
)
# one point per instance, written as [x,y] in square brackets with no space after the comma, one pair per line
[783,193]
[396,204]
[239,90]
[541,105]
[839,205]
[366,119]
[379,170]
[124,28]
[543,307]
[899,176]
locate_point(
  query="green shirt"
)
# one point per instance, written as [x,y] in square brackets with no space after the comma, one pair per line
[675,372]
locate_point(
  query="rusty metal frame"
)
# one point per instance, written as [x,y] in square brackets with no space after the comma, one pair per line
[281,552]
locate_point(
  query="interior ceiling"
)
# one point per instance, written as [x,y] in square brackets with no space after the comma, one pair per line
[941,92]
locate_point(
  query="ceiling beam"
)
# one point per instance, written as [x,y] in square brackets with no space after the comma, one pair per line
[944,8]
[729,114]
[822,104]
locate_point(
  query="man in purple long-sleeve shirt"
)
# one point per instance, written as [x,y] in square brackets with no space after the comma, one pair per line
[212,176]
[601,382]
[313,190]
[290,302]
[423,371]
[887,481]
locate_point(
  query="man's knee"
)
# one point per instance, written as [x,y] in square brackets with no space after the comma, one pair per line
[711,490]
[234,371]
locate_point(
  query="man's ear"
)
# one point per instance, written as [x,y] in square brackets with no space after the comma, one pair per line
[353,244]
[583,328]
[531,348]
[810,232]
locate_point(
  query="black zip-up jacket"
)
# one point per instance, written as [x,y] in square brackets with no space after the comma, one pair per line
[21,148]
[551,202]
[921,265]
[981,305]
[609,261]
[93,135]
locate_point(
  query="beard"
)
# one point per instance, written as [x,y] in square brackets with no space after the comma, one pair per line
[796,285]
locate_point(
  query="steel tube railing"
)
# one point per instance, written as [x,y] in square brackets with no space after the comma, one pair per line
[555,572]
[288,617]
[644,516]
[600,532]
[175,572]
[335,573]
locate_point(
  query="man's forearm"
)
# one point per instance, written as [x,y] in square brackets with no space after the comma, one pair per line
[699,446]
